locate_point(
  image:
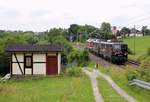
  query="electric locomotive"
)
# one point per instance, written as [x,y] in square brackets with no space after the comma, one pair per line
[115,52]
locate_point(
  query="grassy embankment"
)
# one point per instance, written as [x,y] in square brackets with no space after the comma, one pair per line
[141,46]
[119,76]
[108,93]
[47,89]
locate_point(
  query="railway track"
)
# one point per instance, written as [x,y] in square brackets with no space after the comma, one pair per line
[133,63]
[107,64]
[102,61]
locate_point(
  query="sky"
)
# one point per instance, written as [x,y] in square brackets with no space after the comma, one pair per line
[41,15]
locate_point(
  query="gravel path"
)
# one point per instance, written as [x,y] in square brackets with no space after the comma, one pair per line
[93,76]
[115,86]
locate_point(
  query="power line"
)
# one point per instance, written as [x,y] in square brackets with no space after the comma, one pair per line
[139,16]
[138,19]
[141,20]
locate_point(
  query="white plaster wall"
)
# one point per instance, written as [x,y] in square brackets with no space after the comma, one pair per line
[20,57]
[28,71]
[39,57]
[16,69]
[39,68]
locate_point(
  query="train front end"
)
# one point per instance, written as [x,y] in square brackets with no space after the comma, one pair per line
[119,53]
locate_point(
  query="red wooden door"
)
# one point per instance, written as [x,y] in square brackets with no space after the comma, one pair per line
[51,65]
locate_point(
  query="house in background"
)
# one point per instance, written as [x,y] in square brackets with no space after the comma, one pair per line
[34,59]
[135,32]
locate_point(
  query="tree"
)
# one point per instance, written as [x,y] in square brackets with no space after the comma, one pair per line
[84,31]
[125,31]
[54,32]
[73,28]
[106,30]
[145,30]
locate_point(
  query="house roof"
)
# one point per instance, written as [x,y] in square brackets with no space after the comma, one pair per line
[33,48]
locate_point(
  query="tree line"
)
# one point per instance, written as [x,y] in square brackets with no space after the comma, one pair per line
[80,33]
[75,33]
[70,55]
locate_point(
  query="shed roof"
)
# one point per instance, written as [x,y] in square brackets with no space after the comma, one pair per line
[33,48]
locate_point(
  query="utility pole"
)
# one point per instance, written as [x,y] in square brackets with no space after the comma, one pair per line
[134,39]
[77,38]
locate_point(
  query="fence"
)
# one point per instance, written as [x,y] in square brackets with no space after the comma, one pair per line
[143,84]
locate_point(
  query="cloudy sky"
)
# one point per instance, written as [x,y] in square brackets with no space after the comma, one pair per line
[40,15]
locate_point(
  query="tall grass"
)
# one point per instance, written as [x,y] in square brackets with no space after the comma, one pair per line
[108,93]
[119,76]
[49,89]
[141,44]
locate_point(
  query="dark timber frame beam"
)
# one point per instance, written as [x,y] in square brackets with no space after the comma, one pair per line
[11,65]
[25,63]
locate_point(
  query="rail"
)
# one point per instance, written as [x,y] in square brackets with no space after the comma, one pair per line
[143,84]
[133,62]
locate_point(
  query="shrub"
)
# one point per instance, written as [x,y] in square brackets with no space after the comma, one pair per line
[130,51]
[144,74]
[148,51]
[133,75]
[73,71]
[79,57]
[145,63]
[141,73]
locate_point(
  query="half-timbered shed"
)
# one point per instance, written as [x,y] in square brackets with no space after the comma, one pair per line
[34,59]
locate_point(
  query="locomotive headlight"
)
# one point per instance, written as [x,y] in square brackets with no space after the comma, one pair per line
[125,53]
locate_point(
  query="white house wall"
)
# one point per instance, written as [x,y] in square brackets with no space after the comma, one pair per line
[39,57]
[39,63]
[20,57]
[39,68]
[16,69]
[28,71]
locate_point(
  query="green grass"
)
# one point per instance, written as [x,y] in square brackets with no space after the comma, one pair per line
[91,66]
[141,45]
[119,76]
[48,89]
[108,93]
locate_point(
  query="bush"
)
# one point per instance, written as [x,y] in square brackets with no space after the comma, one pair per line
[133,75]
[79,57]
[130,51]
[144,74]
[145,63]
[141,73]
[73,71]
[4,64]
[148,51]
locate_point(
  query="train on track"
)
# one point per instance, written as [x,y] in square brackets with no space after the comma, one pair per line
[115,52]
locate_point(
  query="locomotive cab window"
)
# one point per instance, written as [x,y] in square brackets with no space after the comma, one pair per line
[124,47]
[117,46]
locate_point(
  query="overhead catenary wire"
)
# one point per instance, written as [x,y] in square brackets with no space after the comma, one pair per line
[138,21]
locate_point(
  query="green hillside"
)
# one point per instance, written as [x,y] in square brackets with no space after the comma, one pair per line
[141,44]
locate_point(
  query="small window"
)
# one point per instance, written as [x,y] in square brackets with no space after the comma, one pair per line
[28,61]
[117,46]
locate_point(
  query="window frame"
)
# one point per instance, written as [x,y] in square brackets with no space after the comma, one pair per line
[25,62]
